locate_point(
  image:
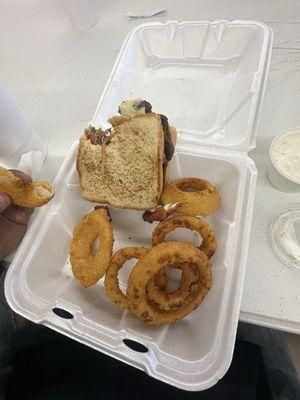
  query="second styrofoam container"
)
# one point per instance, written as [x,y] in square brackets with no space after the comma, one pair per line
[208,78]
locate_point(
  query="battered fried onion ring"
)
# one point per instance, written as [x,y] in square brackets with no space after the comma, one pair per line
[169,301]
[198,196]
[166,301]
[172,254]
[209,243]
[111,277]
[87,267]
[34,194]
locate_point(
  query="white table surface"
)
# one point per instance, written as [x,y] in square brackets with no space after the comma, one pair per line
[57,75]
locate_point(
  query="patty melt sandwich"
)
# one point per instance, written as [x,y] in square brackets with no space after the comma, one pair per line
[126,165]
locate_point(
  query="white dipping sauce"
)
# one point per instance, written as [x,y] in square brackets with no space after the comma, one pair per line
[285,154]
[285,235]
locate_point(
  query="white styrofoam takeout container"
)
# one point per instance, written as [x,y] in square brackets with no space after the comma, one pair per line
[209,79]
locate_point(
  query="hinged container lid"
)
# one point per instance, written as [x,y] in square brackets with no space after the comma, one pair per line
[208,78]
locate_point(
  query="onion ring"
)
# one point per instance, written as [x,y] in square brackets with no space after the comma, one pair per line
[209,243]
[87,267]
[165,254]
[111,282]
[202,200]
[169,301]
[34,194]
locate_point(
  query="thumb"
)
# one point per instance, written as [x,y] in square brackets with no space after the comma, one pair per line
[5,201]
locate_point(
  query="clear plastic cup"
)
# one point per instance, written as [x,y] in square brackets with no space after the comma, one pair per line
[16,133]
[285,237]
[82,14]
[277,177]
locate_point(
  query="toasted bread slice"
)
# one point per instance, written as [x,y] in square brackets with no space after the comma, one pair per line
[126,170]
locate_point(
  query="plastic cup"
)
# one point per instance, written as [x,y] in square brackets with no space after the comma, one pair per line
[284,235]
[278,178]
[82,13]
[16,133]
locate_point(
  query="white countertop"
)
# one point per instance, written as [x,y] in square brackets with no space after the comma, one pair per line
[57,75]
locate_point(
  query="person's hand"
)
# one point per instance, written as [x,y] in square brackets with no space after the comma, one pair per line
[13,221]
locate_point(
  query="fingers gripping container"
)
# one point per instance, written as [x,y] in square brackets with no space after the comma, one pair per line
[209,79]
